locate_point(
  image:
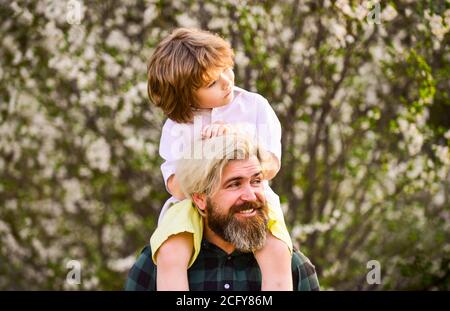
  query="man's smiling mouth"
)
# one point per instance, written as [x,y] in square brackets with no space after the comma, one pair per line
[247,212]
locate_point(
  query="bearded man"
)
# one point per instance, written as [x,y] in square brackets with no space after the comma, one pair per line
[225,184]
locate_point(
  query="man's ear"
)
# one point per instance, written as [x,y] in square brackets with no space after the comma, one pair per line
[199,201]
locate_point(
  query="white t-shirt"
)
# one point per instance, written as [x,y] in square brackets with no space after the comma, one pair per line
[249,111]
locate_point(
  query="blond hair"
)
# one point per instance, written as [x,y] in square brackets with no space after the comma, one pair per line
[202,172]
[183,62]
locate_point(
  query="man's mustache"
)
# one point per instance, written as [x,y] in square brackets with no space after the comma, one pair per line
[247,205]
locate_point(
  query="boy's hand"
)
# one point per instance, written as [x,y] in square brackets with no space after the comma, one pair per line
[217,129]
[271,165]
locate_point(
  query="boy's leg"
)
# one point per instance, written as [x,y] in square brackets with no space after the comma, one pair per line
[274,260]
[172,260]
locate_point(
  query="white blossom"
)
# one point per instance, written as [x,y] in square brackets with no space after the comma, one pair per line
[98,155]
[339,31]
[187,20]
[118,40]
[122,264]
[344,6]
[361,12]
[389,13]
[315,95]
[437,24]
[447,134]
[73,194]
[443,153]
[217,23]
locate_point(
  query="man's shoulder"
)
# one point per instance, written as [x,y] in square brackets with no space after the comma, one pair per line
[142,275]
[299,259]
[305,272]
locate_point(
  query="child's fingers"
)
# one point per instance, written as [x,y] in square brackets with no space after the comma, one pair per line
[215,130]
[222,131]
[206,132]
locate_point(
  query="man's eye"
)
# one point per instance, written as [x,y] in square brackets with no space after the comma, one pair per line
[235,184]
[257,181]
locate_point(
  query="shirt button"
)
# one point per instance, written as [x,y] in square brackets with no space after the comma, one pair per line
[229,257]
[226,286]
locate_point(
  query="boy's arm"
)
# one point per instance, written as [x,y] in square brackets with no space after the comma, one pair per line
[174,188]
[269,136]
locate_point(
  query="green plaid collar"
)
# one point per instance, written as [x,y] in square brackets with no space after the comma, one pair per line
[215,270]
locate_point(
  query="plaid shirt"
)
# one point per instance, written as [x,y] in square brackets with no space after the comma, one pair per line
[216,270]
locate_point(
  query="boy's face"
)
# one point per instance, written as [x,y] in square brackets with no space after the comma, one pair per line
[219,92]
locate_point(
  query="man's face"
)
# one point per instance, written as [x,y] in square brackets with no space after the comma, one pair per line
[237,212]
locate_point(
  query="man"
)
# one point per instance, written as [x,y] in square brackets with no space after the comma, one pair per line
[226,185]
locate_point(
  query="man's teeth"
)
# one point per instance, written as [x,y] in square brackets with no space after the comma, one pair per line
[247,211]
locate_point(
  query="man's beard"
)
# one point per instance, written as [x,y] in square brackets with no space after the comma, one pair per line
[247,234]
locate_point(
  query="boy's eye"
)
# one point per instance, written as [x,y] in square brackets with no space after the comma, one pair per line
[212,84]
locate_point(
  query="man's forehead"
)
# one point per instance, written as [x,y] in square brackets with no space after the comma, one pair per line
[242,168]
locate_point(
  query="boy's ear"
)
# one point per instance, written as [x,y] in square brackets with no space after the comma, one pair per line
[199,201]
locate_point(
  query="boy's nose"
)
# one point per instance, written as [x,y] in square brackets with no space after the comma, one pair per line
[226,82]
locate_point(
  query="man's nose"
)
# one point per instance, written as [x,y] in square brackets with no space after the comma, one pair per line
[248,194]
